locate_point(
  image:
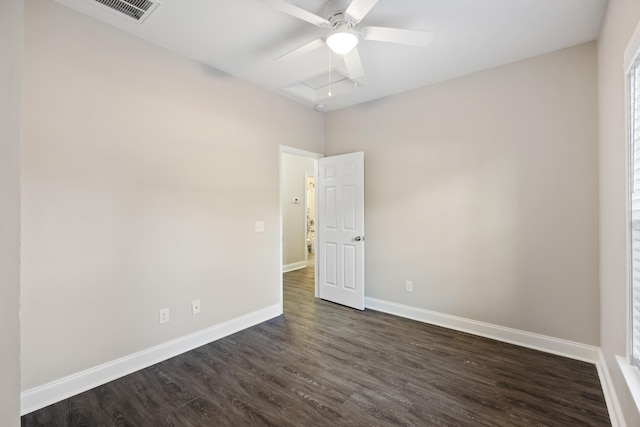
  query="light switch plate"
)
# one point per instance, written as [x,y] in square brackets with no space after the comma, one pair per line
[408,286]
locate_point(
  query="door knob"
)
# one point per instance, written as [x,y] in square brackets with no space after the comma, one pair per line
[359,238]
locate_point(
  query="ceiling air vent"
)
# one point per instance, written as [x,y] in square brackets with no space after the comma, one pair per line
[136,10]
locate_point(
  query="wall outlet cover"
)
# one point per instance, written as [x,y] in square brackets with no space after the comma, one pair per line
[195,307]
[164,315]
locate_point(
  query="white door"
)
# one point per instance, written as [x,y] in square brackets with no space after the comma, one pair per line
[340,229]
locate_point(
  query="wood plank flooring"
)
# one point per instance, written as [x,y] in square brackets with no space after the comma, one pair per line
[321,364]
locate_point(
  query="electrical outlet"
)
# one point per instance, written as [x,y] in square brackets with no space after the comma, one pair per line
[164,315]
[408,286]
[259,226]
[195,307]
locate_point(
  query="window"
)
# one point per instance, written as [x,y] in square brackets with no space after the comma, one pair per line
[634,203]
[629,365]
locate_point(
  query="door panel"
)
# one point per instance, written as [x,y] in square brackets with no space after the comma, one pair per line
[341,229]
[330,261]
[330,211]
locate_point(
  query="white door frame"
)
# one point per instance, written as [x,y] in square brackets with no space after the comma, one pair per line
[306,209]
[297,152]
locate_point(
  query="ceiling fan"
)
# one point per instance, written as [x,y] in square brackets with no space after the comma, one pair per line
[342,19]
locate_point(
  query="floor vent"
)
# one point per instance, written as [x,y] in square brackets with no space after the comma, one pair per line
[136,10]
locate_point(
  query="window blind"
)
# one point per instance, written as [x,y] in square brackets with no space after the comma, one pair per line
[634,203]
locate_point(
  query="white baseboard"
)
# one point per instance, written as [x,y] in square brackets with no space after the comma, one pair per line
[294,266]
[609,391]
[544,343]
[47,394]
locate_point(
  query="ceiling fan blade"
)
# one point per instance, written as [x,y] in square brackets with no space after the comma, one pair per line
[297,12]
[353,63]
[397,35]
[305,48]
[358,9]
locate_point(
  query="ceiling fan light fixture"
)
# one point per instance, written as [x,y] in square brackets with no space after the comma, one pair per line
[342,42]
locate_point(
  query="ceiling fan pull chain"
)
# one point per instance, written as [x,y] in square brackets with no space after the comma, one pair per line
[330,71]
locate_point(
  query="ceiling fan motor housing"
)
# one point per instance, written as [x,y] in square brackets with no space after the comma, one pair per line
[334,10]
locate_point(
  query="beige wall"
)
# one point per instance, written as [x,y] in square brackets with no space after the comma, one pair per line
[481,190]
[294,169]
[142,181]
[144,173]
[10,65]
[622,18]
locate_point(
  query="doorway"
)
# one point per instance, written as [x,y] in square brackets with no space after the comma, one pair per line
[338,200]
[298,201]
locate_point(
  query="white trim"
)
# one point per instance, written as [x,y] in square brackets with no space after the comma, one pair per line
[631,375]
[306,209]
[630,54]
[294,266]
[544,343]
[55,391]
[609,391]
[299,152]
[632,50]
[316,277]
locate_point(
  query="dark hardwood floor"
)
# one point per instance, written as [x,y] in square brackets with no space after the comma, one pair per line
[322,364]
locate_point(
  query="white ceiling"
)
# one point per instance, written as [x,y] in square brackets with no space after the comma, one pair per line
[243,37]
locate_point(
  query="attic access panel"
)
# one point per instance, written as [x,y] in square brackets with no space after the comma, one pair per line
[329,83]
